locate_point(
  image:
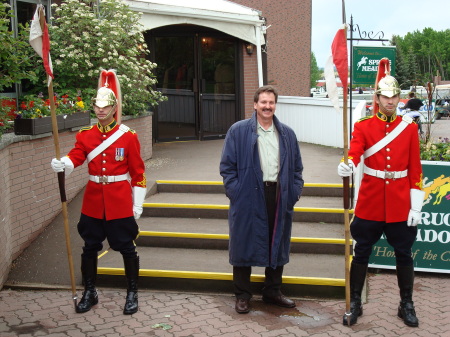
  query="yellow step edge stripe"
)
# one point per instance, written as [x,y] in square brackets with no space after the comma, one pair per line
[196,182]
[226,207]
[320,210]
[226,237]
[187,182]
[221,276]
[191,206]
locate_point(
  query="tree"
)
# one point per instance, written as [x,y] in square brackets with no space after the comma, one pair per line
[315,71]
[87,36]
[15,54]
[421,55]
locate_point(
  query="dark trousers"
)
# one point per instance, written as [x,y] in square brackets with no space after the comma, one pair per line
[273,277]
[120,234]
[399,235]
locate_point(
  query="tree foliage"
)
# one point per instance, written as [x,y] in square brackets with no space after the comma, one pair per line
[422,55]
[315,71]
[87,36]
[15,55]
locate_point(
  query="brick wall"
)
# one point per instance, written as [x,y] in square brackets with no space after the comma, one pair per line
[289,43]
[250,81]
[30,197]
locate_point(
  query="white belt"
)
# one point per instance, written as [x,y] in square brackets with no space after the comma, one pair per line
[385,174]
[108,179]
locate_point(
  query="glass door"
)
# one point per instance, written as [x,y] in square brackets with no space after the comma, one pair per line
[217,99]
[197,73]
[176,117]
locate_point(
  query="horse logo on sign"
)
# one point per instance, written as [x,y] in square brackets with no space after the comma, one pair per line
[362,62]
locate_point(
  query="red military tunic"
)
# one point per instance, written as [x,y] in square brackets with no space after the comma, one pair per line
[110,200]
[379,199]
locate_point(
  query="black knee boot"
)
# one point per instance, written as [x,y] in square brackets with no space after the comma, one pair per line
[132,274]
[357,278]
[405,278]
[89,274]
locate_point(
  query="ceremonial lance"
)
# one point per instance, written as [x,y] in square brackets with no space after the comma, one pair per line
[40,41]
[339,58]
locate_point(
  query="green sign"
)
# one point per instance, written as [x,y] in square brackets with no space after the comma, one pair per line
[431,251]
[365,63]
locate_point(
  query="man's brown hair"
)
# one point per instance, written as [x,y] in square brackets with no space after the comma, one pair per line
[266,88]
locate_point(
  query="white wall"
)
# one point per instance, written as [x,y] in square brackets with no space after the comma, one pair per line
[314,120]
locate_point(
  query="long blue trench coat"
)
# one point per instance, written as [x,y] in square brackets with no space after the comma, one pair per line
[243,180]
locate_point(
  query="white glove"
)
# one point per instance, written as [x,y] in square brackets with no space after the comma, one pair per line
[65,164]
[345,170]
[139,194]
[416,207]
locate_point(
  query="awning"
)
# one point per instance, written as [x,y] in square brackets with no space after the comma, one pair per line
[233,19]
[236,20]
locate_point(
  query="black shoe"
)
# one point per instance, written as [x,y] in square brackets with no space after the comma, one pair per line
[279,300]
[356,310]
[242,306]
[89,299]
[132,273]
[357,279]
[131,303]
[89,274]
[407,312]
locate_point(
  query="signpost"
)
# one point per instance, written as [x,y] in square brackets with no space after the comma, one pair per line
[362,36]
[431,251]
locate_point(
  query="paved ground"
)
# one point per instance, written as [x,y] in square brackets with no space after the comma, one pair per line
[51,313]
[40,312]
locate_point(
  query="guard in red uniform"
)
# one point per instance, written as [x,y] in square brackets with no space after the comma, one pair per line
[390,196]
[114,194]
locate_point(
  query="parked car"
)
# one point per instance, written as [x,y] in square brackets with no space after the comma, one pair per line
[442,94]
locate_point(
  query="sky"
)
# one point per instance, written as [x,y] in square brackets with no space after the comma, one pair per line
[392,17]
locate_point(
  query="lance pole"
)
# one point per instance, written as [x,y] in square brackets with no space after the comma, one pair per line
[346,186]
[61,175]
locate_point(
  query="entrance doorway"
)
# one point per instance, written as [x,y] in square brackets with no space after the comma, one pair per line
[197,71]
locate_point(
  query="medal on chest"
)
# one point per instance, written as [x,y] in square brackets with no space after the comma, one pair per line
[120,154]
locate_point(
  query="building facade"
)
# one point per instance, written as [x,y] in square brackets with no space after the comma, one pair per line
[288,43]
[212,56]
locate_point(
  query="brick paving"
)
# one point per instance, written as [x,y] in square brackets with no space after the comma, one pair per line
[51,313]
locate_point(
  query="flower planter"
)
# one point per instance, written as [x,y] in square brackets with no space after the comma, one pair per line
[36,126]
[77,119]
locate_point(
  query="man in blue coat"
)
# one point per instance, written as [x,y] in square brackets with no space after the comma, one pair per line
[262,169]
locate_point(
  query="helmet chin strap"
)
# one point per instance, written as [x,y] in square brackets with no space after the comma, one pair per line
[108,115]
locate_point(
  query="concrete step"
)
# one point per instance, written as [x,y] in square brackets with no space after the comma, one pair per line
[221,199]
[177,186]
[183,242]
[214,205]
[318,238]
[206,270]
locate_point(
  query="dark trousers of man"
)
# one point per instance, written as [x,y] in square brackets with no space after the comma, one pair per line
[120,234]
[398,234]
[273,280]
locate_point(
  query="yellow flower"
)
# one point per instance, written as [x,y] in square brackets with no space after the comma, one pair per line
[80,104]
